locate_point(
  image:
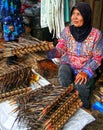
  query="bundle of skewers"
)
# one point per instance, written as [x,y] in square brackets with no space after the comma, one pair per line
[24,46]
[98,92]
[14,77]
[47,107]
[14,93]
[99,95]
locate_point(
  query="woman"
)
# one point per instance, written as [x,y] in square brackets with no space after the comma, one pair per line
[80,49]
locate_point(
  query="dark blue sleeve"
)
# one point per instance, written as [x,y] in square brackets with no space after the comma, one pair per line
[51,53]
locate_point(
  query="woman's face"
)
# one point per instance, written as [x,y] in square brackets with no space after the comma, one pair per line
[77,18]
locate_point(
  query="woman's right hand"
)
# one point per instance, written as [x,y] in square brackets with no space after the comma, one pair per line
[51,46]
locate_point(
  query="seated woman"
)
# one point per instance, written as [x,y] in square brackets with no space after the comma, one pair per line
[80,49]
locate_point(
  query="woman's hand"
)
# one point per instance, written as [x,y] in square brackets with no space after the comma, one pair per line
[81,78]
[51,46]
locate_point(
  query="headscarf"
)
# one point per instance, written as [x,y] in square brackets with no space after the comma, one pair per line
[81,33]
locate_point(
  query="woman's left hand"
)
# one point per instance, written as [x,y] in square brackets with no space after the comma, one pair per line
[81,78]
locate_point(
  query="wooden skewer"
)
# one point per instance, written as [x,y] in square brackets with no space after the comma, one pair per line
[15,92]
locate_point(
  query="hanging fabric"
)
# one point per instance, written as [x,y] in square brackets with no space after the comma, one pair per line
[52,16]
[62,21]
[0,11]
[49,15]
[67,10]
[43,16]
[10,16]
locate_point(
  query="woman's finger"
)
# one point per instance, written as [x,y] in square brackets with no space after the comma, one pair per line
[78,80]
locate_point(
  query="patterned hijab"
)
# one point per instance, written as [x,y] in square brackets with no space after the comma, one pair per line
[81,33]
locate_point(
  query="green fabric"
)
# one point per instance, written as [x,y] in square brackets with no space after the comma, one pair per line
[67,10]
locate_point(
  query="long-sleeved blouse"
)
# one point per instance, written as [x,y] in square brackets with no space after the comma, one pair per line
[82,56]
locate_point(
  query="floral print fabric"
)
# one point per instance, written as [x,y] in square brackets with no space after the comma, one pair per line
[10,15]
